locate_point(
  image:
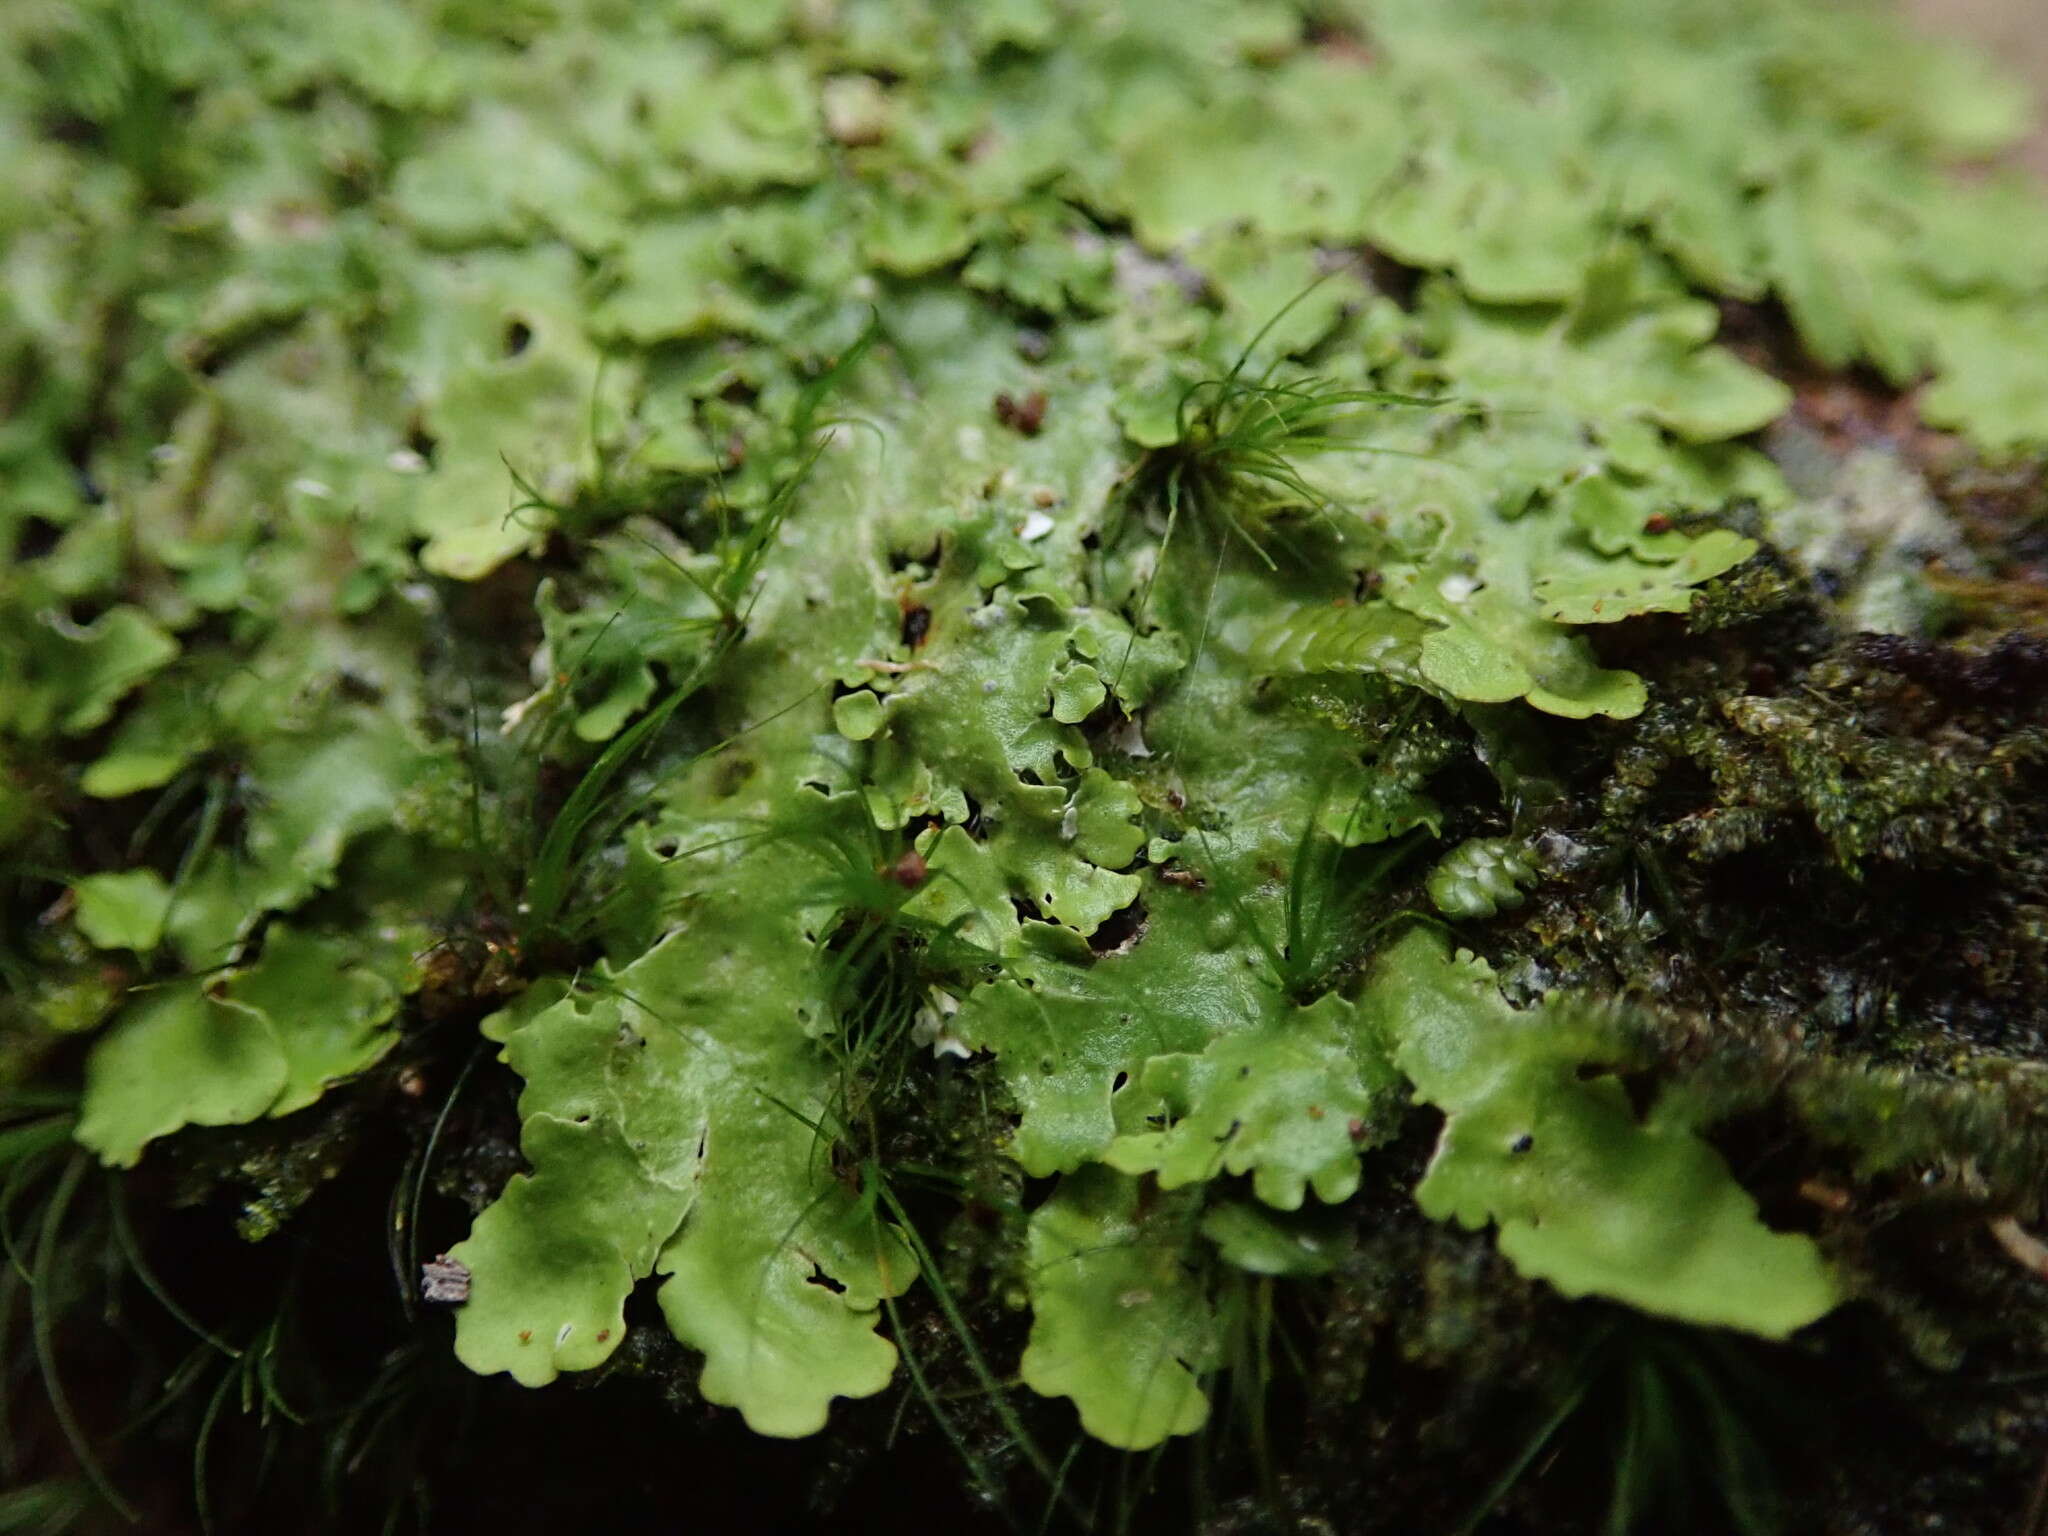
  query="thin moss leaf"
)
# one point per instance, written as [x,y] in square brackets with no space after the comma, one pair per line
[1106,814]
[643,607]
[1118,1324]
[1540,1139]
[743,122]
[512,387]
[984,710]
[1077,693]
[1946,98]
[1462,614]
[677,280]
[1489,638]
[1650,566]
[1046,259]
[491,178]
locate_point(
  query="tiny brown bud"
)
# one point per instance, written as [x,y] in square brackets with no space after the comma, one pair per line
[1025,416]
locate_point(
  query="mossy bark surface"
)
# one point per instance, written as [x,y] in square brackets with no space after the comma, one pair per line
[1257,767]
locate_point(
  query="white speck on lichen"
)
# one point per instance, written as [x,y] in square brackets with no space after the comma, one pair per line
[1457,587]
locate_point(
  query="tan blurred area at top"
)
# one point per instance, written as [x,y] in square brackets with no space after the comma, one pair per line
[2016,31]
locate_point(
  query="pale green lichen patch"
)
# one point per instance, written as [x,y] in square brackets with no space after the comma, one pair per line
[1585,1195]
[263,1039]
[661,1132]
[1291,1105]
[740,550]
[1119,1324]
[124,910]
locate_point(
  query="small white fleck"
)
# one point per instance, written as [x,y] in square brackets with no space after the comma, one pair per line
[1130,740]
[1036,526]
[406,461]
[513,715]
[988,685]
[1457,587]
[305,485]
[1070,821]
[931,1027]
[166,453]
[563,1337]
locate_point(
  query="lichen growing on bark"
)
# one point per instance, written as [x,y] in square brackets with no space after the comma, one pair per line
[1116,715]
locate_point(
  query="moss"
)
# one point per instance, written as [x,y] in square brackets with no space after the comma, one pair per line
[972,718]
